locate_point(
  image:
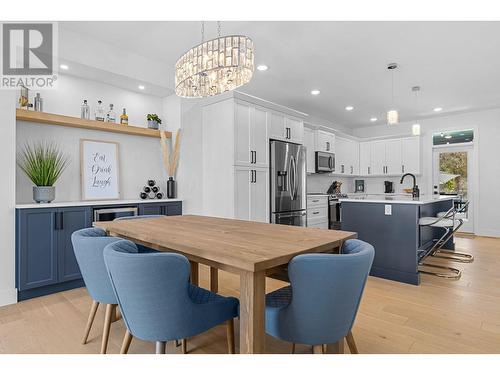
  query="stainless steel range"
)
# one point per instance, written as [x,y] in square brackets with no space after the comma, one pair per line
[335,211]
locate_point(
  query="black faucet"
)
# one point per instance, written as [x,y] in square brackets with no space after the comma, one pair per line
[415,191]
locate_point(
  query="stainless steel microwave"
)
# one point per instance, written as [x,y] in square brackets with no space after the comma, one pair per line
[325,162]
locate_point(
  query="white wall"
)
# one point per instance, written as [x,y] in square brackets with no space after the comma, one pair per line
[8,293]
[140,157]
[487,141]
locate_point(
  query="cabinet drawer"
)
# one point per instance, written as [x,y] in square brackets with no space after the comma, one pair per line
[320,225]
[317,201]
[317,212]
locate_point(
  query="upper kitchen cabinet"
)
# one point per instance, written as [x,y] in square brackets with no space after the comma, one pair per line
[390,157]
[286,128]
[251,135]
[410,155]
[325,141]
[346,156]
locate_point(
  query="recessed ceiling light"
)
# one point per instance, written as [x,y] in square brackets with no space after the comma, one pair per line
[447,136]
[438,109]
[349,108]
[64,67]
[141,87]
[373,119]
[262,67]
[315,92]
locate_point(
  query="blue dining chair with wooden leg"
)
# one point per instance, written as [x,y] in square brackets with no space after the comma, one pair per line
[88,245]
[319,306]
[157,301]
[145,249]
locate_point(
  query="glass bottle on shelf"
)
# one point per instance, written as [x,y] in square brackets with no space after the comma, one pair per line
[124,117]
[99,111]
[111,115]
[85,110]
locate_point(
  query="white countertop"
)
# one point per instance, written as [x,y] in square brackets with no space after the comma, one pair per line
[395,198]
[94,203]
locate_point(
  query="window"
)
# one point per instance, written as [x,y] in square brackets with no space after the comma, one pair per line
[448,138]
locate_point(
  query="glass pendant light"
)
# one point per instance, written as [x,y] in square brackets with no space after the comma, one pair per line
[415,128]
[392,115]
[214,66]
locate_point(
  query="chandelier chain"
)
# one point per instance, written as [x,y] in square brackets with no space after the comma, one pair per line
[218,28]
[202,31]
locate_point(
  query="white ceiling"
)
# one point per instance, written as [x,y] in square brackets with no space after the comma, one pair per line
[457,64]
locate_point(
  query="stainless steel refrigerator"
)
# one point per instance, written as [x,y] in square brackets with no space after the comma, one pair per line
[288,183]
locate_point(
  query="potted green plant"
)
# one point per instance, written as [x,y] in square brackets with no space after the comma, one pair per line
[153,121]
[43,163]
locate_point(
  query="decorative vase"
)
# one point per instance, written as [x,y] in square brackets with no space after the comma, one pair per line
[153,124]
[170,188]
[44,194]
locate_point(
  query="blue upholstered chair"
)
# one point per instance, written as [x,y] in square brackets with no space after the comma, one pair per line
[320,305]
[88,245]
[157,301]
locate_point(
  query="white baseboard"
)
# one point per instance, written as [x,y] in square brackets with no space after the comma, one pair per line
[8,297]
[488,233]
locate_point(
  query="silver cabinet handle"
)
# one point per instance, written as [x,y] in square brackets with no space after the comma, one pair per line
[327,146]
[369,170]
[403,169]
[315,212]
[352,169]
[342,169]
[316,200]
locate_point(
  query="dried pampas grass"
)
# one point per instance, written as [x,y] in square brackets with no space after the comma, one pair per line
[170,160]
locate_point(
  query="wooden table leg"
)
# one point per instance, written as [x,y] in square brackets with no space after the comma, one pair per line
[214,279]
[252,312]
[194,273]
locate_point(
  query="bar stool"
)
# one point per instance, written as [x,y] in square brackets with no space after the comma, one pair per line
[450,224]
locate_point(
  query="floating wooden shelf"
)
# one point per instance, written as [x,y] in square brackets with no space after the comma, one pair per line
[74,122]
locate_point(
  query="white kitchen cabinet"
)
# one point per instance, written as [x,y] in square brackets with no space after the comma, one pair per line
[377,157]
[346,156]
[251,193]
[317,211]
[309,143]
[365,158]
[410,158]
[325,141]
[393,157]
[251,135]
[285,128]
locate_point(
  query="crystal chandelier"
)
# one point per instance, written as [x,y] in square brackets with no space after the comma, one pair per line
[214,66]
[392,115]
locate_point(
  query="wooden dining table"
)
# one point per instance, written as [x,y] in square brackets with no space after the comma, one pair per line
[250,249]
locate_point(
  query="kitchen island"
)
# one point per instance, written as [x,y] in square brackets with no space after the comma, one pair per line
[390,224]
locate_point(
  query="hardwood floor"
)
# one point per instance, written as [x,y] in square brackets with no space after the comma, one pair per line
[439,316]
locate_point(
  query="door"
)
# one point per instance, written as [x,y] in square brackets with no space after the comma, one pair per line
[258,138]
[242,134]
[150,209]
[364,158]
[288,177]
[410,155]
[37,248]
[242,179]
[377,156]
[393,157]
[452,168]
[295,130]
[70,219]
[277,126]
[259,189]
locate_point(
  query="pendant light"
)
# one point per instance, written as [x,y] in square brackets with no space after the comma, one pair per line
[415,128]
[214,66]
[392,114]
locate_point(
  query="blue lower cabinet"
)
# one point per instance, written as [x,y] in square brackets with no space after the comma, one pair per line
[165,208]
[45,261]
